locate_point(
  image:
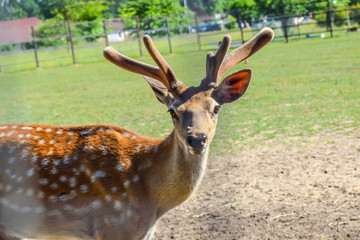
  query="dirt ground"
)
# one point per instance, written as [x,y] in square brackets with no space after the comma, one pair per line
[309,189]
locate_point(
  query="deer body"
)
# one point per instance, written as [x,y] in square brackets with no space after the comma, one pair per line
[103,182]
[51,176]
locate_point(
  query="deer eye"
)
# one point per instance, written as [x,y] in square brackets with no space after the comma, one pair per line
[216,109]
[173,114]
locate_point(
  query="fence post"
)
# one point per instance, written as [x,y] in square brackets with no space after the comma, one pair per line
[138,35]
[284,25]
[197,31]
[168,33]
[71,42]
[329,19]
[240,26]
[105,32]
[35,46]
[347,19]
[298,27]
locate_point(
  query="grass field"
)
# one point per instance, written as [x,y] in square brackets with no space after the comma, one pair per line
[89,52]
[303,88]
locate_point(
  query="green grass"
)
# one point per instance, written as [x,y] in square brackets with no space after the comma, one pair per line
[303,88]
[87,52]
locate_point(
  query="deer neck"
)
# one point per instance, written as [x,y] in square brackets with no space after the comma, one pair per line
[176,174]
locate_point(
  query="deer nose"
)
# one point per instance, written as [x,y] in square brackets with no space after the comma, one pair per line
[197,141]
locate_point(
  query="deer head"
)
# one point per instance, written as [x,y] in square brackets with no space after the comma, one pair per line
[194,110]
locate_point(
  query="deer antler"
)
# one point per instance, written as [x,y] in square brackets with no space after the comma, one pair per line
[213,63]
[163,73]
[217,65]
[163,65]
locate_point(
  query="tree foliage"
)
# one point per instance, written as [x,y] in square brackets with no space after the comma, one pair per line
[151,9]
[246,9]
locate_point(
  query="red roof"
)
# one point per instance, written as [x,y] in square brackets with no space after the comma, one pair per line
[18,30]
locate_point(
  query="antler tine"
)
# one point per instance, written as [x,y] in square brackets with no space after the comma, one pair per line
[171,78]
[246,50]
[213,63]
[134,66]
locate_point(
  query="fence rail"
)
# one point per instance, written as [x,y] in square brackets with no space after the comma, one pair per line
[81,42]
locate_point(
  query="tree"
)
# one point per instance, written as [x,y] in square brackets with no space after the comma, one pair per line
[152,9]
[213,6]
[242,10]
[31,7]
[11,9]
[276,7]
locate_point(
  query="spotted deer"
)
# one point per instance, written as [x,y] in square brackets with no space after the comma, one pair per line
[105,182]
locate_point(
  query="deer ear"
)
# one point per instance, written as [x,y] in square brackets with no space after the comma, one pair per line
[161,92]
[232,87]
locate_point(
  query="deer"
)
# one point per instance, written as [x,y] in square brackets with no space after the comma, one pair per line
[104,182]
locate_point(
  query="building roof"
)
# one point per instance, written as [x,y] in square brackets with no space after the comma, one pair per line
[17,31]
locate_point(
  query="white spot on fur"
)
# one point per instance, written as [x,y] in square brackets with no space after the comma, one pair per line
[52,198]
[66,159]
[85,132]
[40,195]
[40,210]
[136,178]
[8,188]
[43,181]
[120,167]
[63,178]
[138,148]
[72,182]
[11,160]
[84,188]
[126,183]
[117,205]
[34,158]
[96,204]
[30,172]
[30,192]
[45,162]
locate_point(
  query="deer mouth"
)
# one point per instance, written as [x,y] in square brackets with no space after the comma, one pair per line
[196,151]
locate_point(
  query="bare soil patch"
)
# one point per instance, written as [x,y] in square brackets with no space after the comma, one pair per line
[307,189]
